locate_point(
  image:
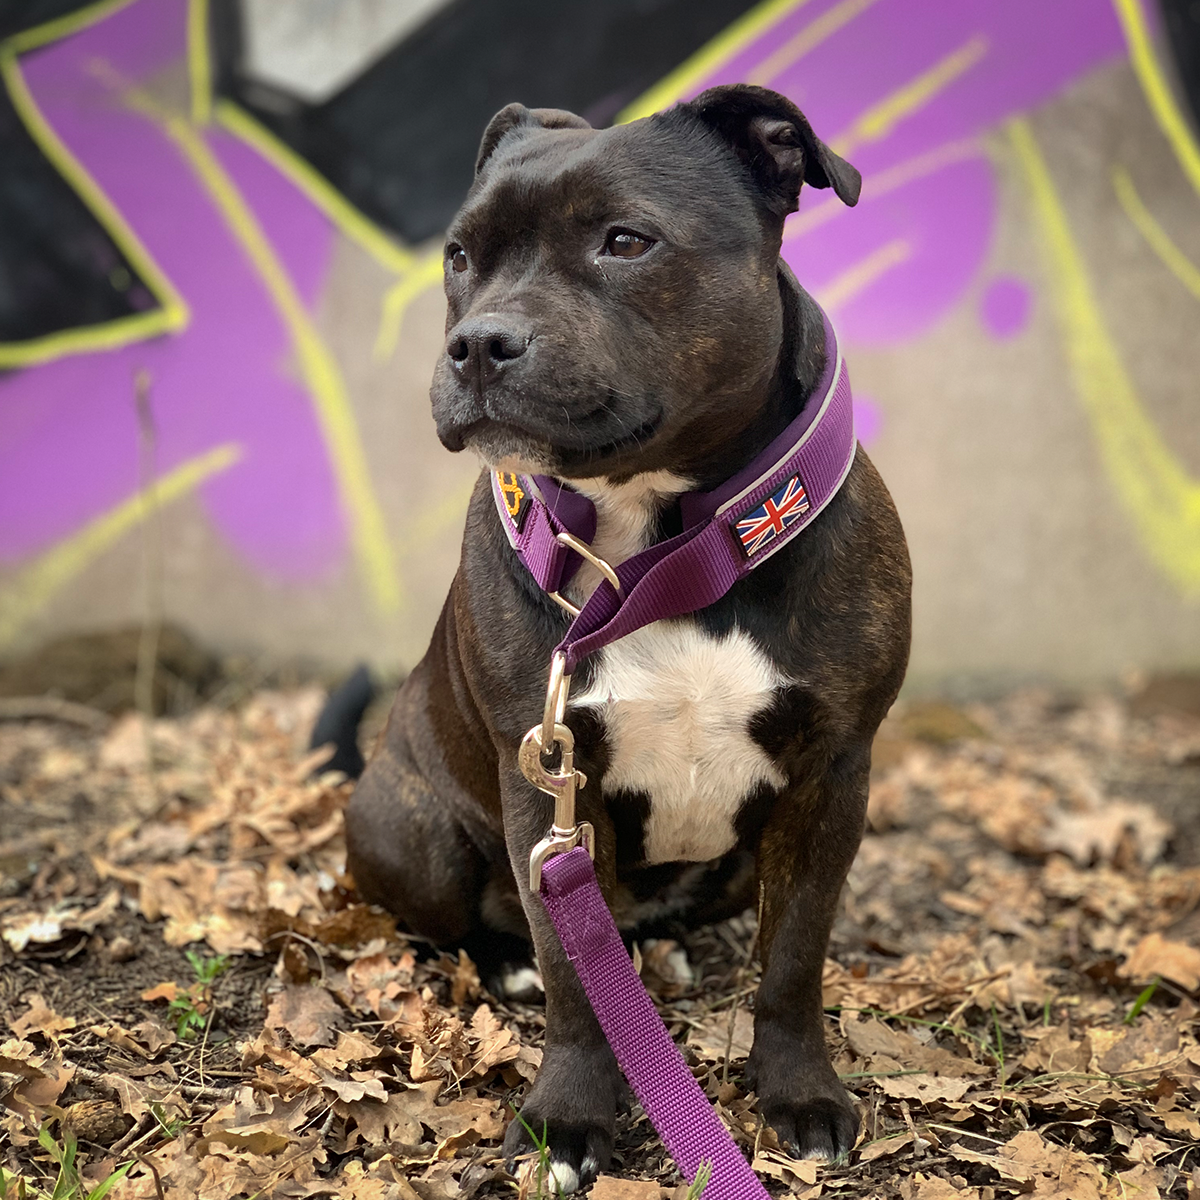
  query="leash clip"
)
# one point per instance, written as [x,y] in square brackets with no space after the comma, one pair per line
[560,782]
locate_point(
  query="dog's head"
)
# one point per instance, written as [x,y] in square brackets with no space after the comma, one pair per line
[614,303]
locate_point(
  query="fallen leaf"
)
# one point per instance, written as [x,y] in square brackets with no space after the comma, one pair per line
[1155,955]
[612,1187]
[711,1038]
[933,1187]
[308,1013]
[1054,1050]
[1060,1173]
[884,1147]
[134,1096]
[162,991]
[925,1088]
[41,1018]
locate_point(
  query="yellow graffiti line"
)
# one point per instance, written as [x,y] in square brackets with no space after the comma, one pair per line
[432,521]
[316,187]
[808,39]
[1155,235]
[205,106]
[713,54]
[887,181]
[36,583]
[331,403]
[199,61]
[171,316]
[1155,488]
[423,275]
[1158,91]
[881,118]
[61,27]
[855,280]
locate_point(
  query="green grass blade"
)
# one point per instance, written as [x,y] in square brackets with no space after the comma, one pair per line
[102,1189]
[1142,1000]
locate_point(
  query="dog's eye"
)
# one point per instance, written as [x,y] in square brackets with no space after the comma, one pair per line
[457,256]
[624,243]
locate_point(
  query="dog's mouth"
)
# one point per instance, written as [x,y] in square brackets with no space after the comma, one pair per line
[634,440]
[499,441]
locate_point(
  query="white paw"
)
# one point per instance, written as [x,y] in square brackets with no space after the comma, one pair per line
[669,961]
[523,983]
[560,1177]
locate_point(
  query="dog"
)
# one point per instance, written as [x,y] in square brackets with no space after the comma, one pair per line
[619,319]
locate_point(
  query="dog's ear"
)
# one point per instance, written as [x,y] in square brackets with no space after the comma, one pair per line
[517,116]
[774,139]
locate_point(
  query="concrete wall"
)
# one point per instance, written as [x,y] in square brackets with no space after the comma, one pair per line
[1021,332]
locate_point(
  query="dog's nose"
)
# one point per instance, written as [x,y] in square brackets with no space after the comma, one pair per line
[481,348]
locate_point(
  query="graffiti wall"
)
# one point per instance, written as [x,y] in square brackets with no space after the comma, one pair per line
[220,272]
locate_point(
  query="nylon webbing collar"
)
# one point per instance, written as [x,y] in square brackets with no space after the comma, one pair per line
[727,532]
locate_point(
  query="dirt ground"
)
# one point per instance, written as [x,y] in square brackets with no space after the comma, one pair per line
[194,1005]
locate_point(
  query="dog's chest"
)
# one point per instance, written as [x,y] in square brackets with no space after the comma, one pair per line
[677,704]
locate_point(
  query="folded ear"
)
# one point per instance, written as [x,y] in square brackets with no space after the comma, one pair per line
[774,139]
[517,116]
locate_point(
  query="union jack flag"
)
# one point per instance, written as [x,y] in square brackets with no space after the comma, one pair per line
[762,524]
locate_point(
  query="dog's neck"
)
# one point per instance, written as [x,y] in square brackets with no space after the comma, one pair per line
[628,512]
[626,520]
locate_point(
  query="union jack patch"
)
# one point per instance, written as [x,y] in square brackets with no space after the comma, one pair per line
[516,498]
[760,526]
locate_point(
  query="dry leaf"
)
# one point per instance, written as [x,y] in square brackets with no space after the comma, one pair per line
[925,1088]
[933,1187]
[884,1147]
[711,1038]
[612,1187]
[41,1018]
[308,1013]
[163,991]
[1155,955]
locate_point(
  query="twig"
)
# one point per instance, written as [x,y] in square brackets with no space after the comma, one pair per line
[158,1187]
[204,1043]
[314,946]
[152,569]
[140,1130]
[51,708]
[190,1090]
[963,1132]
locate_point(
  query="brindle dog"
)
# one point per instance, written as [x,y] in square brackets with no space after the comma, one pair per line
[619,318]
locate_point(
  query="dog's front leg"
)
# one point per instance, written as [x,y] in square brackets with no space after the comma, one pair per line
[806,851]
[572,1105]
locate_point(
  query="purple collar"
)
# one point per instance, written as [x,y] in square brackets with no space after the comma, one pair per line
[727,532]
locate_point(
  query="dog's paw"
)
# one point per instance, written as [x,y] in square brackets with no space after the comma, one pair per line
[572,1157]
[519,982]
[824,1127]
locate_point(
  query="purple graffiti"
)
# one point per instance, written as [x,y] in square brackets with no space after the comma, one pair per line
[68,431]
[994,60]
[868,420]
[932,73]
[1005,306]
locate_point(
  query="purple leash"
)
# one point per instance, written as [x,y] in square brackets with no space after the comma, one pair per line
[727,533]
[661,1080]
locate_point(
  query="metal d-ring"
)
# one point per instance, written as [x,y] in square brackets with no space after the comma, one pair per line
[585,551]
[555,708]
[564,602]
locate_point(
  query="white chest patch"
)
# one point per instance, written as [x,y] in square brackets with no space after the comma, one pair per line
[677,704]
